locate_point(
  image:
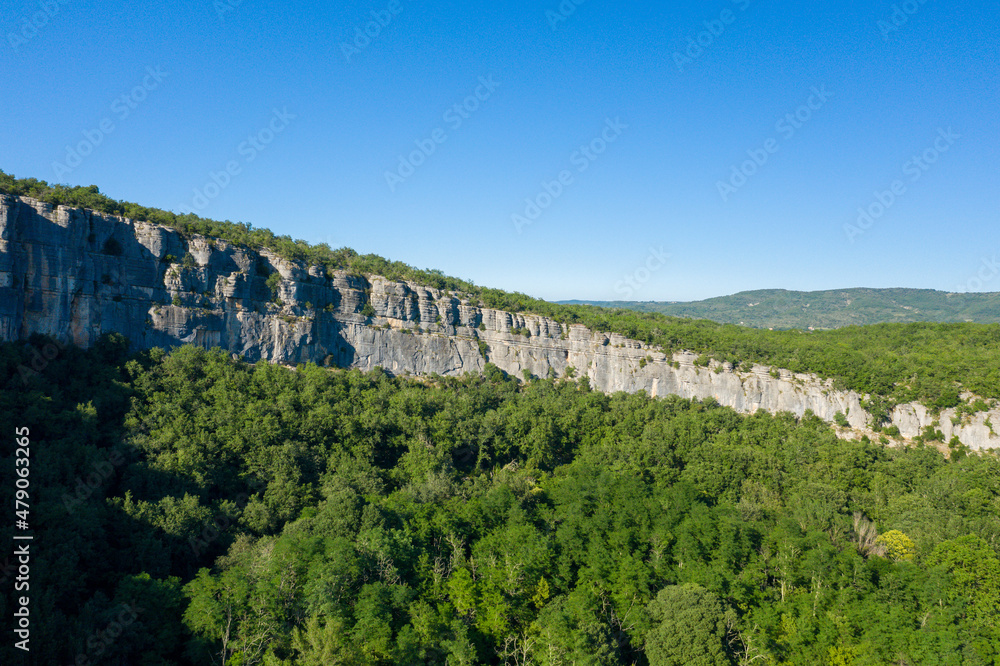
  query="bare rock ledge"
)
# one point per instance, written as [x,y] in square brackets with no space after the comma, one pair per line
[75,274]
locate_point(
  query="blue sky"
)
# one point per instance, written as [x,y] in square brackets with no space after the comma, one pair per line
[671,151]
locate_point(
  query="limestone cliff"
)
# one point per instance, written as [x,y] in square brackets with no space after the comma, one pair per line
[74,274]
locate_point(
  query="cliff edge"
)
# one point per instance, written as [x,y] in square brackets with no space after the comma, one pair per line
[75,274]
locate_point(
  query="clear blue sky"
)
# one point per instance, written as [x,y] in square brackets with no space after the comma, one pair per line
[680,122]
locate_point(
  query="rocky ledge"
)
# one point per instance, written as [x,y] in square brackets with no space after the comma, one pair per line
[75,274]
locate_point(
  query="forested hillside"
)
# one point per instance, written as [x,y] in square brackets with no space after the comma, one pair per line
[192,509]
[836,308]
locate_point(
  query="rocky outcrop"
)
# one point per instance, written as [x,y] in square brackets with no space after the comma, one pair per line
[75,274]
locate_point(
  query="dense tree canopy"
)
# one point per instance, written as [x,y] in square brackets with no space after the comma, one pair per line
[688,628]
[255,514]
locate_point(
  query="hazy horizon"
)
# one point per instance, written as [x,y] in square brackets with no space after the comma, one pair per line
[796,291]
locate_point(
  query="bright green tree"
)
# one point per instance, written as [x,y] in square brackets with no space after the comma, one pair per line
[689,628]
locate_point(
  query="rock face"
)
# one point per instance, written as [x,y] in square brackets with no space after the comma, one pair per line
[75,274]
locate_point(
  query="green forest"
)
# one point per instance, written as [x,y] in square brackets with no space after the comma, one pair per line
[189,508]
[892,362]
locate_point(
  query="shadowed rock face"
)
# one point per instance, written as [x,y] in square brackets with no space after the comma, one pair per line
[75,274]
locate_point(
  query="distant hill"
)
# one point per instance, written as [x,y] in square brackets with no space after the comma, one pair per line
[782,309]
